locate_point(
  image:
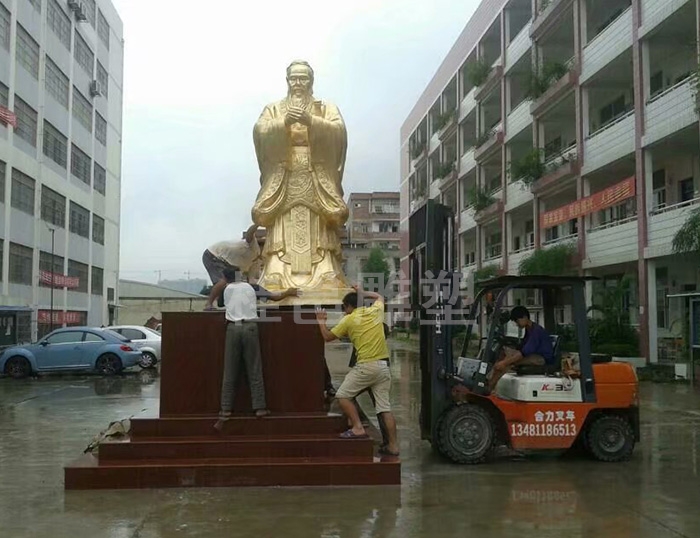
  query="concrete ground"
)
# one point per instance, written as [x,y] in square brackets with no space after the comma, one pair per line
[46,423]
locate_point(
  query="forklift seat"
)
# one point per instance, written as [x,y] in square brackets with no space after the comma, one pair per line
[544,369]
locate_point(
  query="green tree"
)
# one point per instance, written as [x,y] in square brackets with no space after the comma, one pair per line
[376,267]
[552,261]
[611,331]
[687,238]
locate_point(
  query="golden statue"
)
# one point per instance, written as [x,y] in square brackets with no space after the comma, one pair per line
[301,143]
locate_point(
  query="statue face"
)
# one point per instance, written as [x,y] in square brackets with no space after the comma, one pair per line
[299,81]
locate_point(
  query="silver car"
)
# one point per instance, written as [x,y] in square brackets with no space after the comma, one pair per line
[146,340]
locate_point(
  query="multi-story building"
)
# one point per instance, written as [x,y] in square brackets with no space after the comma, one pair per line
[568,121]
[61,72]
[373,222]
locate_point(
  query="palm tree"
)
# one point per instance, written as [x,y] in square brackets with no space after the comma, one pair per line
[687,239]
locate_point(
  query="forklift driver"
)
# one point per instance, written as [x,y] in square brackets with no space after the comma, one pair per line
[536,348]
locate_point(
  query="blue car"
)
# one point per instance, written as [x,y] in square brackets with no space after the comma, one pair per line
[71,349]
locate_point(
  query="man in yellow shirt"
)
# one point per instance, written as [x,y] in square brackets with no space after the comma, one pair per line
[365,328]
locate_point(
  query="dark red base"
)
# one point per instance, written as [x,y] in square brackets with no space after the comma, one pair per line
[298,445]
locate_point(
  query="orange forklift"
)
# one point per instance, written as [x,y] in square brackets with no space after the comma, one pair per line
[582,399]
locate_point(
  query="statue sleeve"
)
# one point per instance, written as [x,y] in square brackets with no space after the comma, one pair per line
[328,137]
[270,139]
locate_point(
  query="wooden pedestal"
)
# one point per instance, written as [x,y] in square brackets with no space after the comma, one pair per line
[297,445]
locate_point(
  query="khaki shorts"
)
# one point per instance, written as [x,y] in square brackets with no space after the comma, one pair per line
[374,375]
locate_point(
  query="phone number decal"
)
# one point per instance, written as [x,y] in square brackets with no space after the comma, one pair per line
[543,430]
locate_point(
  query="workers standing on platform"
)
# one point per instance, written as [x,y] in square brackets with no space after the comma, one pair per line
[365,328]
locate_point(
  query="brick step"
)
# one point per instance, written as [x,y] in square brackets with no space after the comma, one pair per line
[198,448]
[272,425]
[88,473]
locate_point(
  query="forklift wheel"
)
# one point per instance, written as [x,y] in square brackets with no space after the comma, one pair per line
[466,434]
[610,438]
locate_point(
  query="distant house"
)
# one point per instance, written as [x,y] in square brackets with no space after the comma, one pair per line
[142,302]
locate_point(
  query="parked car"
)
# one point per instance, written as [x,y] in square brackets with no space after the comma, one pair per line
[145,339]
[71,349]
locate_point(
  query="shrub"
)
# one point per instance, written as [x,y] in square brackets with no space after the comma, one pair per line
[556,260]
[477,72]
[528,169]
[479,199]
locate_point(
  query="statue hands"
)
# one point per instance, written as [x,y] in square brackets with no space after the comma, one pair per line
[297,114]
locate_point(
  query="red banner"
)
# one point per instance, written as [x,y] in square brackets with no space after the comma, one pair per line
[609,197]
[59,281]
[8,117]
[60,317]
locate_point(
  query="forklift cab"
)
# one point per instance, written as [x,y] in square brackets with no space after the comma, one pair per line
[491,307]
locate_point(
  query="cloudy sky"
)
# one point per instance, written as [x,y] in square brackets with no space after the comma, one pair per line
[197,75]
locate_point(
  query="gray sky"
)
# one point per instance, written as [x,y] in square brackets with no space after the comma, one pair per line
[198,75]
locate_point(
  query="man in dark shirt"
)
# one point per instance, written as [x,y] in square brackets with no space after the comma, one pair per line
[536,348]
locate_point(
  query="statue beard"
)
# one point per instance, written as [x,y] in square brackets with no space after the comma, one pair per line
[302,100]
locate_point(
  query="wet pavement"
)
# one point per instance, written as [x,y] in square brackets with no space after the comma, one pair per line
[47,423]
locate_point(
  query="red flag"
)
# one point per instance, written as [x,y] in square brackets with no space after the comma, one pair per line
[8,117]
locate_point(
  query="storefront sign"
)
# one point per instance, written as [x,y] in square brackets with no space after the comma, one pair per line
[609,197]
[60,317]
[59,281]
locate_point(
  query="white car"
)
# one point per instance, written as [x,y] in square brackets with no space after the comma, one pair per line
[146,340]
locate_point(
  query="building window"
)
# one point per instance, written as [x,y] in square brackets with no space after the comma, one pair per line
[83,55]
[21,264]
[53,207]
[686,190]
[90,11]
[55,145]
[79,220]
[4,94]
[110,294]
[80,270]
[26,121]
[27,52]
[103,79]
[3,167]
[22,192]
[98,229]
[56,83]
[80,164]
[82,109]
[98,281]
[59,22]
[100,129]
[5,20]
[103,29]
[51,263]
[99,182]
[36,4]
[2,256]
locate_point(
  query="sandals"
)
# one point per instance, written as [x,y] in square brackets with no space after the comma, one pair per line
[349,434]
[384,451]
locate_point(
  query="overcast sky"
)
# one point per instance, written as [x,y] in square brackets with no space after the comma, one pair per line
[197,76]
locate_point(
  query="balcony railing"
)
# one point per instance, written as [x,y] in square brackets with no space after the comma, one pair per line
[666,208]
[612,224]
[492,252]
[614,121]
[563,239]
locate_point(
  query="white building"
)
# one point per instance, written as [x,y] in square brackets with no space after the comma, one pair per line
[612,116]
[61,73]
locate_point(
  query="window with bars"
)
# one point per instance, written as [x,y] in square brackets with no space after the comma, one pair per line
[103,79]
[26,121]
[55,145]
[21,264]
[100,129]
[83,55]
[51,263]
[4,94]
[103,29]
[98,281]
[2,256]
[53,207]
[90,11]
[80,270]
[98,229]
[79,220]
[59,22]
[56,83]
[23,188]
[99,182]
[5,21]
[3,168]
[82,109]
[27,52]
[80,164]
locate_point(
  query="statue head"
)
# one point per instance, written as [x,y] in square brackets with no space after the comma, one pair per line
[300,79]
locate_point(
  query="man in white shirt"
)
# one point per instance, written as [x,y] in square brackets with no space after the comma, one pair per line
[223,255]
[242,342]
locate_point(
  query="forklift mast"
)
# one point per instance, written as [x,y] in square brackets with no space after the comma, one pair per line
[431,240]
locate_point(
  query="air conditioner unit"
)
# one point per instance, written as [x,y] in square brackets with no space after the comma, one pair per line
[96,88]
